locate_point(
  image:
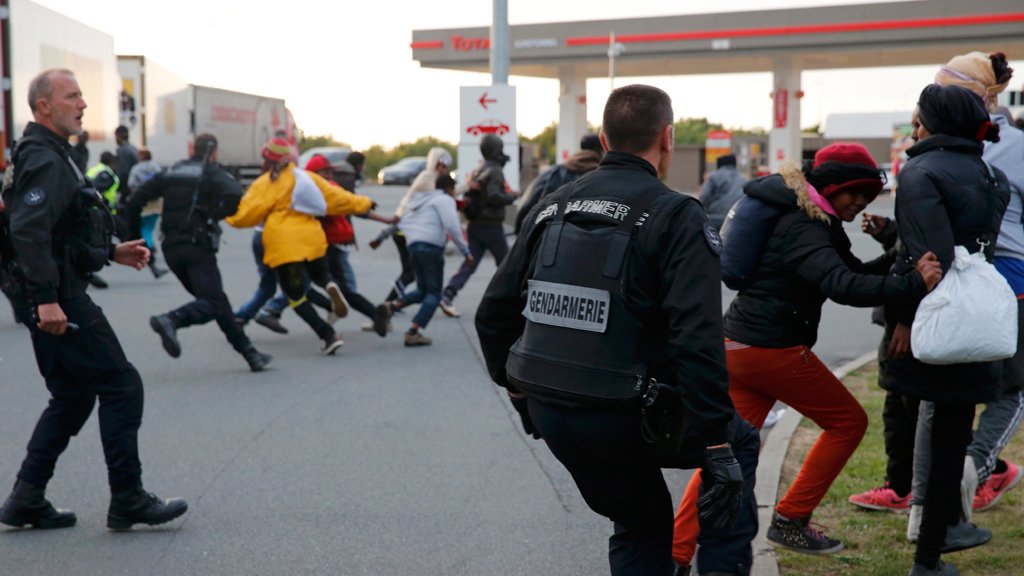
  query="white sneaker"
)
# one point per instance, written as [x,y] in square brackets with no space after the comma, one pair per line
[337,302]
[914,523]
[448,307]
[332,318]
[968,486]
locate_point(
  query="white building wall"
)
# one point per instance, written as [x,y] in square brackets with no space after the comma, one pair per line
[43,39]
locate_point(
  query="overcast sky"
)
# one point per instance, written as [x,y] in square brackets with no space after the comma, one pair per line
[345,67]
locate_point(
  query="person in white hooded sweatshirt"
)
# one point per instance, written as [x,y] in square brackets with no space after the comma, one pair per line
[430,218]
[439,163]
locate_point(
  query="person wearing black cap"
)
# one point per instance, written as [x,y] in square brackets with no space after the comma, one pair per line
[586,159]
[723,188]
[945,191]
[485,211]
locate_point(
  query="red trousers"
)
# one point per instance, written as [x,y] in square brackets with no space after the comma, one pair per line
[757,378]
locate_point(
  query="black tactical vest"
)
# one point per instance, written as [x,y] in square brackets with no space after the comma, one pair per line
[581,341]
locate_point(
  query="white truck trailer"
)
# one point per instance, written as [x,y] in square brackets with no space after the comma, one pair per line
[33,39]
[164,113]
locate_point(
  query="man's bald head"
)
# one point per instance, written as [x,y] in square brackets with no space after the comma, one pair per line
[56,101]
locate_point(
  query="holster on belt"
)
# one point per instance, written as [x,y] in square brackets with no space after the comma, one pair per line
[663,420]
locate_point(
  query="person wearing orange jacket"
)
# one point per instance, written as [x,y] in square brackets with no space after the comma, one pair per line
[288,201]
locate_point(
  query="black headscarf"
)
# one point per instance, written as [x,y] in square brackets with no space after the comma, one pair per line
[955,111]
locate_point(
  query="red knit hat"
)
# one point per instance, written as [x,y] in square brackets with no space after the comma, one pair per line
[317,163]
[854,156]
[276,149]
[845,152]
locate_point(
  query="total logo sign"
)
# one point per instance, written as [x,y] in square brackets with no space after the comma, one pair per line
[488,110]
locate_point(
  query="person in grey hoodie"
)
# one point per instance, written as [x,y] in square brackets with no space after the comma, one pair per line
[427,223]
[723,188]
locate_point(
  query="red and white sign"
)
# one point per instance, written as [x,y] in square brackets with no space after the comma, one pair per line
[460,43]
[781,108]
[488,110]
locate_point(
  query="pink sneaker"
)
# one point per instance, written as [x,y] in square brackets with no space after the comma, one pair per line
[992,490]
[882,498]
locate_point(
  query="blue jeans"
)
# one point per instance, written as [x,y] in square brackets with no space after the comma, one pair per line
[268,283]
[428,265]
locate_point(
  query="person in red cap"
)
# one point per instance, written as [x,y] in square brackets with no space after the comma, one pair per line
[339,231]
[771,325]
[289,201]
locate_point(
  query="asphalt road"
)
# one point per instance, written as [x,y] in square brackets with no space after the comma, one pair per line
[380,460]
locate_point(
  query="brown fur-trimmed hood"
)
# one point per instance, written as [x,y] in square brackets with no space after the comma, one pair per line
[788,189]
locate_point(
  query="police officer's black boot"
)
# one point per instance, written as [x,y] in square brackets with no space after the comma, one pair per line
[167,328]
[136,506]
[257,361]
[27,506]
[96,282]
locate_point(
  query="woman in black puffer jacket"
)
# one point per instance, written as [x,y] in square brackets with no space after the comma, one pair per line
[941,203]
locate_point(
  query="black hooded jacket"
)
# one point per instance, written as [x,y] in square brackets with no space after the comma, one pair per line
[490,201]
[806,260]
[940,205]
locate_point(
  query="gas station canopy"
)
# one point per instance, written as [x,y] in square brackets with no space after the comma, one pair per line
[784,42]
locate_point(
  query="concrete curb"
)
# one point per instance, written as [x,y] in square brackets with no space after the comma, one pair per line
[769,469]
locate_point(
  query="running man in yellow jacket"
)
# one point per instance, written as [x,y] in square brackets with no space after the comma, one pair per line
[288,201]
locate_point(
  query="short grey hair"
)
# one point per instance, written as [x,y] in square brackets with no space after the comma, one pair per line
[41,87]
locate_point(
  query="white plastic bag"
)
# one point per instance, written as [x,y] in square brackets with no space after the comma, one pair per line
[971,316]
[307,196]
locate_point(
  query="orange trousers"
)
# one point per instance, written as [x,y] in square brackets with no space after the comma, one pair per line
[757,378]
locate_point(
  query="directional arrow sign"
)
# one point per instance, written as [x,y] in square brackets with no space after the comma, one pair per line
[484,100]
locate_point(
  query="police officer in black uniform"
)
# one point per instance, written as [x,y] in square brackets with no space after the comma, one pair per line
[605,326]
[197,194]
[56,231]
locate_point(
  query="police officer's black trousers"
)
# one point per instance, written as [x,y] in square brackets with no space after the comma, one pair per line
[196,268]
[620,477]
[80,367]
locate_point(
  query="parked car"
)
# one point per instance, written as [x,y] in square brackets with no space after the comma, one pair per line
[488,127]
[404,171]
[334,154]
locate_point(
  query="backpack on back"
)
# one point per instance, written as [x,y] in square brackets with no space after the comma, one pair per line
[745,233]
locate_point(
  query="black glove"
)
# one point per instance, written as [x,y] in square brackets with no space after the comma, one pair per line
[720,505]
[524,413]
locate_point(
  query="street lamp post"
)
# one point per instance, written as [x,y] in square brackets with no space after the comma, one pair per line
[499,43]
[614,50]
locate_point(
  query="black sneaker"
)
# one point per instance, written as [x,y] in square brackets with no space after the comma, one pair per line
[682,571]
[964,536]
[943,569]
[164,326]
[797,536]
[331,345]
[271,322]
[27,506]
[381,321]
[140,507]
[257,361]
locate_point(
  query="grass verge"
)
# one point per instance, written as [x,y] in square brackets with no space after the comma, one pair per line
[876,542]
